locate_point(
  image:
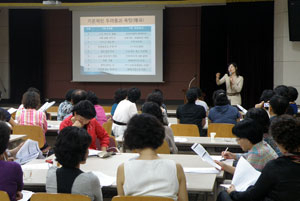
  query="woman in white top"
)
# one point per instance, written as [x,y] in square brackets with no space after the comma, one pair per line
[148,174]
[124,111]
[234,84]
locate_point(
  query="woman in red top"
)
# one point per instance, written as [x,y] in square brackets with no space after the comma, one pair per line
[84,117]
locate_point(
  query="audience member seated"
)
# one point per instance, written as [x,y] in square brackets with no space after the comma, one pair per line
[65,107]
[77,96]
[137,177]
[8,118]
[280,178]
[21,107]
[84,117]
[190,113]
[261,117]
[154,109]
[120,95]
[31,116]
[11,175]
[223,112]
[158,99]
[125,110]
[100,113]
[71,150]
[278,106]
[293,95]
[250,138]
[265,98]
[162,95]
[199,100]
[283,90]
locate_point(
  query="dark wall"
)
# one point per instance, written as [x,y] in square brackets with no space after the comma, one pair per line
[26,52]
[240,33]
[181,61]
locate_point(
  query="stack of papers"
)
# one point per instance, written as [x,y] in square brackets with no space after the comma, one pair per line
[199,149]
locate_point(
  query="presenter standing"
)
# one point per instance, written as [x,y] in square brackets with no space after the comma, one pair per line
[234,84]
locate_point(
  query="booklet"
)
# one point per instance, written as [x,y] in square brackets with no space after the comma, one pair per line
[199,149]
[11,110]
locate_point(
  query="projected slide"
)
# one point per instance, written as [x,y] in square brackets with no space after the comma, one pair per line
[117,45]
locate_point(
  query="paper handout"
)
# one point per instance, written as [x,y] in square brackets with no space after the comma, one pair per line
[11,110]
[199,149]
[46,106]
[245,175]
[242,109]
[104,179]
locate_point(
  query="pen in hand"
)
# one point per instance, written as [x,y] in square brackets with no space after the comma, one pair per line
[223,159]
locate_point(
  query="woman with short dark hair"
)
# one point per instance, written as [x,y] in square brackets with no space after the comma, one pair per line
[154,109]
[223,112]
[11,175]
[100,113]
[84,117]
[145,134]
[71,150]
[250,138]
[280,178]
[30,115]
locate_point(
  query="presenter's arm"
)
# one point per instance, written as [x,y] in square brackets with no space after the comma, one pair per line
[182,192]
[220,81]
[120,180]
[238,85]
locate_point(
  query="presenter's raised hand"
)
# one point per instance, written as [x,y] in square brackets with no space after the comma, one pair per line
[218,75]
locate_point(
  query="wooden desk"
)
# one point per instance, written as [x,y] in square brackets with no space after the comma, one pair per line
[213,147]
[196,183]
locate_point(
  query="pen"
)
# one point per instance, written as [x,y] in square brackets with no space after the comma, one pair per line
[223,159]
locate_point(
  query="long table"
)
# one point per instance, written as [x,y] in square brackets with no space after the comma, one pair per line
[196,183]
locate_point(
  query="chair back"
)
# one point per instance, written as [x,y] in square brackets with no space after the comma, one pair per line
[4,196]
[107,109]
[140,198]
[58,197]
[164,148]
[108,126]
[185,130]
[221,130]
[32,132]
[53,109]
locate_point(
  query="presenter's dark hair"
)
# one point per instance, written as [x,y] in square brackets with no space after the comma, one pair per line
[156,98]
[285,130]
[266,95]
[85,109]
[220,98]
[4,136]
[144,131]
[120,95]
[237,72]
[69,95]
[279,104]
[91,96]
[31,100]
[191,95]
[293,94]
[133,94]
[260,116]
[249,129]
[71,146]
[154,109]
[78,95]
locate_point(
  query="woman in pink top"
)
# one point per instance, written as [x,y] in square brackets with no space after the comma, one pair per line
[100,113]
[30,115]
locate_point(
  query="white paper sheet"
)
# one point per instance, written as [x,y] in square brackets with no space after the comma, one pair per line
[26,195]
[93,152]
[104,179]
[46,106]
[180,139]
[245,175]
[40,166]
[199,149]
[11,110]
[211,170]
